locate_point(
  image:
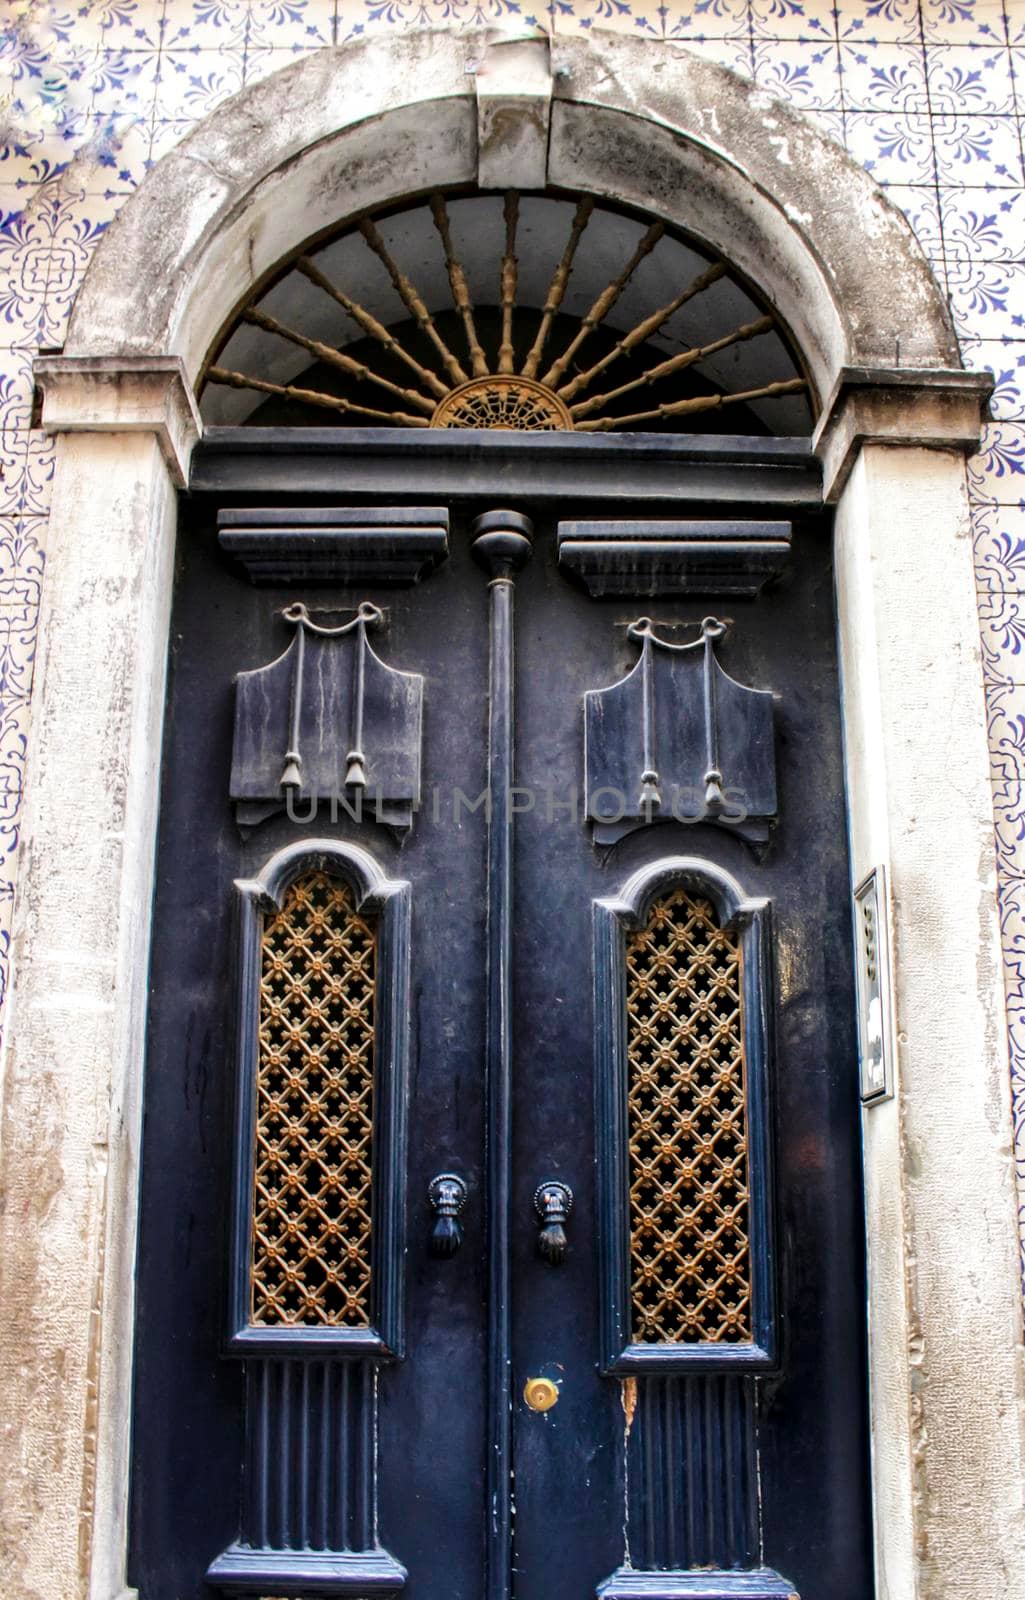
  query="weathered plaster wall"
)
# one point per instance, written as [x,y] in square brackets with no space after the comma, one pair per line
[928,94]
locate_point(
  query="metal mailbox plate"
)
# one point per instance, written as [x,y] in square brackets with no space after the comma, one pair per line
[873,970]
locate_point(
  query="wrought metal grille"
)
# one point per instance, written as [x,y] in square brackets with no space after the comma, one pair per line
[314,1111]
[510,361]
[687,1117]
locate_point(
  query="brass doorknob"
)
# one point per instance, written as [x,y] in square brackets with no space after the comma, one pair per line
[540,1394]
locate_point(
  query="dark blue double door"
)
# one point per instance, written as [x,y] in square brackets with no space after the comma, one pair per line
[676,1407]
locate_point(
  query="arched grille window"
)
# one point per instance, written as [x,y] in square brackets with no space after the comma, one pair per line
[687,1118]
[314,1122]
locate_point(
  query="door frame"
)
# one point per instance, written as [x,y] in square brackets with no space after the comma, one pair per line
[667,133]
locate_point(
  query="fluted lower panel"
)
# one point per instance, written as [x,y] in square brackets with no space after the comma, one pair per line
[309,1475]
[693,1478]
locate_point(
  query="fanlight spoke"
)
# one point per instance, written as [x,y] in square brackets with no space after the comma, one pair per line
[503,389]
[311,397]
[642,331]
[557,287]
[336,358]
[684,408]
[674,364]
[460,292]
[506,352]
[411,300]
[603,305]
[370,325]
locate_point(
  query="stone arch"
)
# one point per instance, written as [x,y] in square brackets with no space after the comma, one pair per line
[670,133]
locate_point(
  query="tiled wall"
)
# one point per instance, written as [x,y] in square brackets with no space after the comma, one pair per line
[928,94]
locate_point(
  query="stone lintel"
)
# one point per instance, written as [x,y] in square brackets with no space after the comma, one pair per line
[123,394]
[936,408]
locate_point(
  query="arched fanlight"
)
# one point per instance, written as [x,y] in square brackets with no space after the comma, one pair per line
[656,343]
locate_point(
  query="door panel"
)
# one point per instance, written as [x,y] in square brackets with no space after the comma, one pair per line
[660,1467]
[569,1496]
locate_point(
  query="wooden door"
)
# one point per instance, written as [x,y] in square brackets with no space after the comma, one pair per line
[501,1192]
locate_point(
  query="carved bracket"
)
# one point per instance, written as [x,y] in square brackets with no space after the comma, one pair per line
[669,558]
[394,545]
[328,723]
[678,738]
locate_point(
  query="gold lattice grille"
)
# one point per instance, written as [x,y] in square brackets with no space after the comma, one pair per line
[689,1249]
[314,1112]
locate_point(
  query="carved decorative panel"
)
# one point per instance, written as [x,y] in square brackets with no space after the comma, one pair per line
[679,739]
[687,1118]
[328,723]
[314,1116]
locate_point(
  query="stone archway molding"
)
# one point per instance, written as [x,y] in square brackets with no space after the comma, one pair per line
[666,131]
[326,138]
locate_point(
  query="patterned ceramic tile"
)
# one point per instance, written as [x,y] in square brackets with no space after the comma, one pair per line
[978,22]
[21,573]
[878,21]
[116,157]
[894,148]
[70,224]
[22,539]
[193,82]
[13,744]
[16,390]
[977,150]
[1009,821]
[832,123]
[709,19]
[260,63]
[24,166]
[128,24]
[1005,709]
[291,24]
[939,271]
[963,78]
[1005,358]
[888,77]
[806,72]
[1014,988]
[984,224]
[26,475]
[987,298]
[996,476]
[207,25]
[42,54]
[25,250]
[791,19]
[641,18]
[1002,630]
[122,78]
